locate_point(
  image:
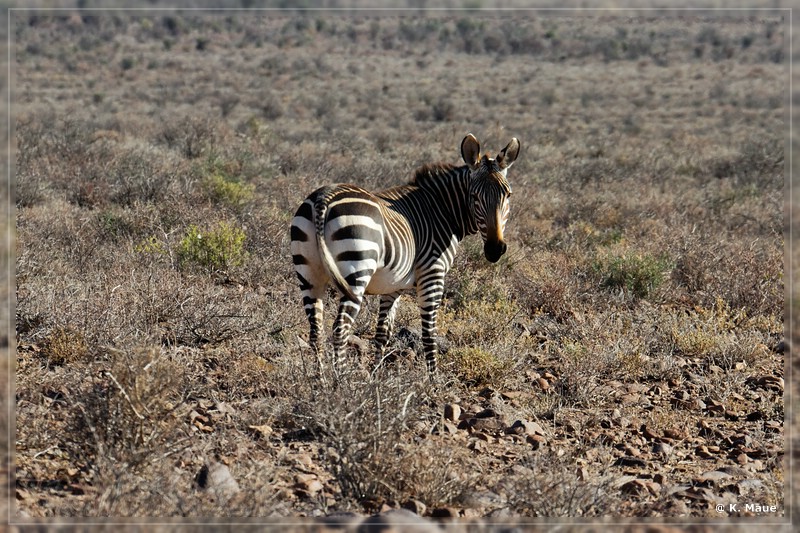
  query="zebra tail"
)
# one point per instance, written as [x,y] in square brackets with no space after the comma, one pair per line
[320,212]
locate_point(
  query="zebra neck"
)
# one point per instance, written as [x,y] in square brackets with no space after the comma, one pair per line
[447,187]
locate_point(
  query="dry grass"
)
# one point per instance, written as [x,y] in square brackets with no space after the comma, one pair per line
[645,269]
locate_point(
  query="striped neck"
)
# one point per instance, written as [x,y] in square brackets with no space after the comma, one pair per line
[449,187]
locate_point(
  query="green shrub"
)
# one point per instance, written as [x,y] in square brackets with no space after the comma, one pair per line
[222,189]
[151,245]
[217,249]
[221,181]
[639,274]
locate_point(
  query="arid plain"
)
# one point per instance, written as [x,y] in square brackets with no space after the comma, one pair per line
[624,359]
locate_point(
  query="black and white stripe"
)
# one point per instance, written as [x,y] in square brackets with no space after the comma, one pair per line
[398,239]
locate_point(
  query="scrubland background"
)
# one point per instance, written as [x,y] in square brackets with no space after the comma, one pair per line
[625,358]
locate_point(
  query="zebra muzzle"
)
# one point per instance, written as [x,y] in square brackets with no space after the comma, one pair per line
[494,250]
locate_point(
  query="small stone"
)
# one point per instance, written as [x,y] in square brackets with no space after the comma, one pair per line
[196,417]
[452,412]
[652,487]
[742,459]
[630,461]
[713,476]
[449,428]
[697,404]
[675,433]
[662,448]
[703,452]
[444,512]
[525,427]
[263,431]
[215,476]
[649,433]
[535,441]
[415,506]
[633,452]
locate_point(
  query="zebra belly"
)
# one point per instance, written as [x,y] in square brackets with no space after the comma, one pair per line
[387,281]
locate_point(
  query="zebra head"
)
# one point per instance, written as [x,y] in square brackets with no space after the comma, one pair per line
[490,191]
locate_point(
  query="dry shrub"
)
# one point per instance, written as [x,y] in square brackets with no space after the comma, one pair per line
[64,345]
[718,335]
[119,426]
[475,366]
[125,410]
[547,484]
[579,375]
[745,276]
[191,136]
[546,284]
[484,351]
[374,425]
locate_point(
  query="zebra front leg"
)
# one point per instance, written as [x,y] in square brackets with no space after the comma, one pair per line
[429,296]
[343,327]
[383,332]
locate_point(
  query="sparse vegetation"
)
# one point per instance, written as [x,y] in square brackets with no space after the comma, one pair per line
[635,273]
[627,345]
[218,248]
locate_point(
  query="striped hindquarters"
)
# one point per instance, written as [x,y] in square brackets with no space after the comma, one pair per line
[338,235]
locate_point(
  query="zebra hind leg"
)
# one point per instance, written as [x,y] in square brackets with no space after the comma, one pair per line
[343,327]
[316,337]
[383,332]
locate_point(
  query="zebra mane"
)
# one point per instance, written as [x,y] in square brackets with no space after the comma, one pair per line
[432,173]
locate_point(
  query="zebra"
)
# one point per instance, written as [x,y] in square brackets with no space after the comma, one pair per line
[400,239]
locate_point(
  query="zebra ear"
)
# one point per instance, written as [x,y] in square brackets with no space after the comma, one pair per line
[470,150]
[509,154]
